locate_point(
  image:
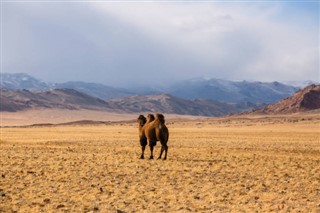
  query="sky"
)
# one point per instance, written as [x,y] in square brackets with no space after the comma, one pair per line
[143,43]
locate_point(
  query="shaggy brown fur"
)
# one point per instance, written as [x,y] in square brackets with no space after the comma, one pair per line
[152,131]
[142,121]
[150,117]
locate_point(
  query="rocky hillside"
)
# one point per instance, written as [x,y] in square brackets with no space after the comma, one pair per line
[169,104]
[303,100]
[17,100]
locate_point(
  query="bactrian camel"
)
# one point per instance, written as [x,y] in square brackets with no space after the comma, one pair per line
[152,130]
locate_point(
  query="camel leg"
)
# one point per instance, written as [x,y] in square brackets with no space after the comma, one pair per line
[162,149]
[143,143]
[151,149]
[166,151]
[142,153]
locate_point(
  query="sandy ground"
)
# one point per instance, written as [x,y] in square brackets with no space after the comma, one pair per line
[237,165]
[56,116]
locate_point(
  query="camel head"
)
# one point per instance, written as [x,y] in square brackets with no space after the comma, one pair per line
[141,120]
[150,117]
[160,117]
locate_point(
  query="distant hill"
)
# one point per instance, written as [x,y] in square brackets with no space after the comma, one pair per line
[25,81]
[232,91]
[301,84]
[18,100]
[306,99]
[169,104]
[22,81]
[98,90]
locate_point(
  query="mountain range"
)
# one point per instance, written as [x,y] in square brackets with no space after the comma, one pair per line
[306,99]
[25,81]
[173,105]
[200,88]
[232,91]
[18,100]
[205,97]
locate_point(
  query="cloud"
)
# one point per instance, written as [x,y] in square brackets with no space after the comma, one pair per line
[152,42]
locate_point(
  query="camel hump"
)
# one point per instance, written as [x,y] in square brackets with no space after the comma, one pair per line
[142,120]
[150,118]
[141,117]
[160,117]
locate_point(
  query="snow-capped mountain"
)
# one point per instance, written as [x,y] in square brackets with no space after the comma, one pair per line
[301,84]
[232,91]
[25,81]
[200,88]
[22,81]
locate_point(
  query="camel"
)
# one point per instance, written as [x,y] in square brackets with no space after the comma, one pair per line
[152,130]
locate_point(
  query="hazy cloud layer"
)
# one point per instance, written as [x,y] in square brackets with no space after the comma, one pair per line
[143,43]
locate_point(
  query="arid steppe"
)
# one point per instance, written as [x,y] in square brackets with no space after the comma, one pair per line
[243,164]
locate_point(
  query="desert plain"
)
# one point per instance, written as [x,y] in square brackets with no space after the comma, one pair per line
[232,164]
